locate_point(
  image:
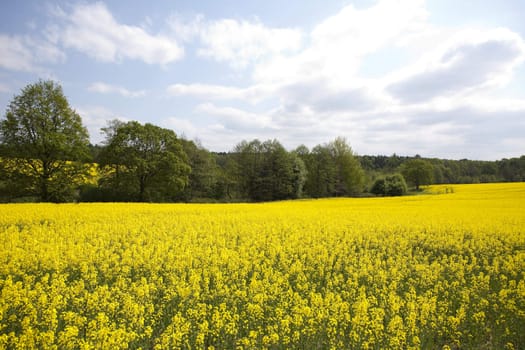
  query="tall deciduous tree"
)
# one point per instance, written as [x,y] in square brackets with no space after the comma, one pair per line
[266,171]
[45,141]
[204,172]
[149,161]
[321,173]
[349,174]
[418,172]
[333,170]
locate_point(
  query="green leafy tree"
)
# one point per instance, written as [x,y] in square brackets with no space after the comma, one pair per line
[395,185]
[299,174]
[512,169]
[266,171]
[418,172]
[333,170]
[227,185]
[248,161]
[45,142]
[15,183]
[321,173]
[349,174]
[149,162]
[202,181]
[378,188]
[390,185]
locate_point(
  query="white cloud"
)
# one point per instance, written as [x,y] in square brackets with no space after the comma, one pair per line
[227,127]
[470,60]
[91,29]
[206,91]
[353,32]
[441,103]
[181,126]
[241,42]
[493,105]
[15,55]
[323,75]
[214,136]
[253,94]
[104,88]
[457,129]
[309,87]
[236,42]
[186,29]
[23,53]
[321,95]
[339,43]
[236,119]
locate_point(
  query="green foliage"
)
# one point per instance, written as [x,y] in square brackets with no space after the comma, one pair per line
[299,174]
[265,171]
[45,143]
[448,171]
[390,185]
[14,183]
[227,186]
[418,172]
[149,163]
[511,169]
[321,172]
[378,188]
[202,181]
[395,185]
[333,170]
[349,175]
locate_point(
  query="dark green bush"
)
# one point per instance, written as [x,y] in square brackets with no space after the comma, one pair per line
[390,185]
[378,188]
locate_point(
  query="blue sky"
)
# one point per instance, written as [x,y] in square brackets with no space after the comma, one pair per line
[439,78]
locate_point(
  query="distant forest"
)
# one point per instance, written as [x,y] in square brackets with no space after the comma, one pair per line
[446,171]
[45,156]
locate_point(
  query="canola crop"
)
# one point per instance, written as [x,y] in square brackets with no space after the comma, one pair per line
[439,271]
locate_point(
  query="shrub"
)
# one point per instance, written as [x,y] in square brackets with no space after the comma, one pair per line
[391,185]
[378,188]
[395,185]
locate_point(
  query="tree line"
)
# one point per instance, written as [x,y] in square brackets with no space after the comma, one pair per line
[446,171]
[45,155]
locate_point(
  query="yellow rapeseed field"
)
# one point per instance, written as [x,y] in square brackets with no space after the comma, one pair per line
[444,270]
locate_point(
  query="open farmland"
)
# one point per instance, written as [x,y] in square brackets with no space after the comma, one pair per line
[429,271]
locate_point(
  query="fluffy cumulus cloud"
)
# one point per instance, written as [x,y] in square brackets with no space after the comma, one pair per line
[91,28]
[338,44]
[241,42]
[238,43]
